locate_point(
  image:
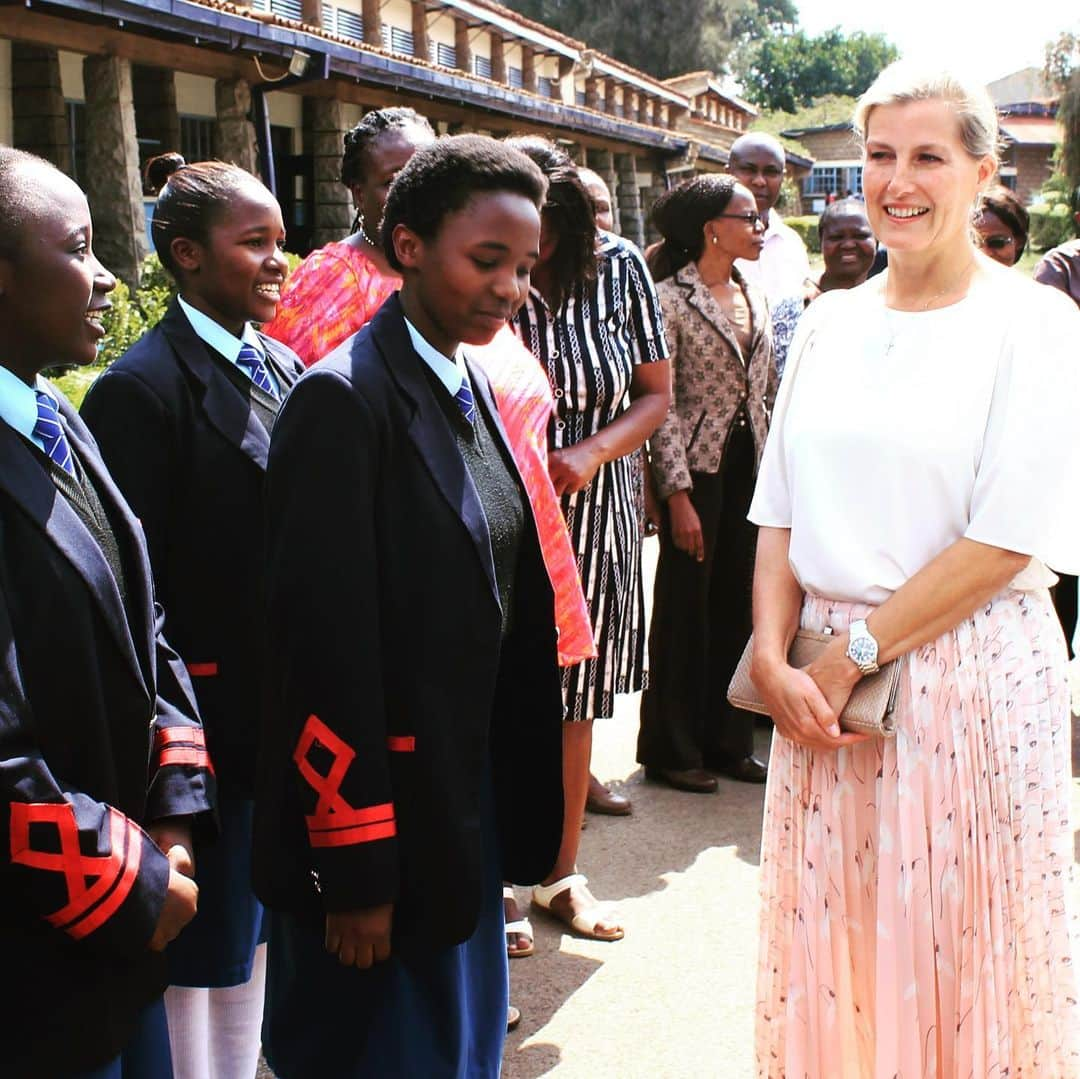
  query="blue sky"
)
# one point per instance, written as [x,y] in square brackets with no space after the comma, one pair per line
[954,34]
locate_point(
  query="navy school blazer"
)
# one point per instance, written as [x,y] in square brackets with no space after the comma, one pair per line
[392,696]
[185,447]
[98,739]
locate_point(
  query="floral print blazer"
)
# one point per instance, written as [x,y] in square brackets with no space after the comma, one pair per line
[712,379]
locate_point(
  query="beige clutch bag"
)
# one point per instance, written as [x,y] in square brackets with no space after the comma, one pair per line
[869,709]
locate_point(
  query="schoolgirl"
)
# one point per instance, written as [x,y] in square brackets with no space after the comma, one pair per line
[184,420]
[413,645]
[95,850]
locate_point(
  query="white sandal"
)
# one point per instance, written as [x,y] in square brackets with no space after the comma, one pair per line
[522,927]
[584,923]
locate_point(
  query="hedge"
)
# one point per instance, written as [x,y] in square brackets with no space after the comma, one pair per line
[1050,225]
[806,227]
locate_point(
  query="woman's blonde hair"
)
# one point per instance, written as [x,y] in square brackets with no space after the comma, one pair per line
[902,82]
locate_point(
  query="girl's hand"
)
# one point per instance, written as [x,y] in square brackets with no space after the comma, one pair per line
[686,526]
[360,938]
[573,468]
[799,708]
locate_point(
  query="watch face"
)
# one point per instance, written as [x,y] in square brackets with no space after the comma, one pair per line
[862,651]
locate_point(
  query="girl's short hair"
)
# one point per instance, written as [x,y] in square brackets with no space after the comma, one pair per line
[903,82]
[569,209]
[367,132]
[441,178]
[679,215]
[19,200]
[191,199]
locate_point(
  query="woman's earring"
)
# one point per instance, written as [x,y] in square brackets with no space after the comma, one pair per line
[715,239]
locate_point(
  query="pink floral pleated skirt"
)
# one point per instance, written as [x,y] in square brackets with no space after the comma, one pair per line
[914,891]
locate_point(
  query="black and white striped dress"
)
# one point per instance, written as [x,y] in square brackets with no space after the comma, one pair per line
[589,348]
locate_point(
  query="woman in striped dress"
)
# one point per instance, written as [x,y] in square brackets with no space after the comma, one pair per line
[592,320]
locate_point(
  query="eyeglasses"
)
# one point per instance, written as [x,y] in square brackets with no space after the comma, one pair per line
[997,242]
[747,218]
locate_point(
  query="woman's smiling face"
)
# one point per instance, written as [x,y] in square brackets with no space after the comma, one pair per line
[919,181]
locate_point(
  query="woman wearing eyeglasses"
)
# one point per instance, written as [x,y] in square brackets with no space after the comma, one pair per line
[1001,225]
[704,459]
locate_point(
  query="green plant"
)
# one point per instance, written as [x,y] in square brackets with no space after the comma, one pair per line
[807,229]
[1050,225]
[156,290]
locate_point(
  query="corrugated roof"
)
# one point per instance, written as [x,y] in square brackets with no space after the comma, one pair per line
[1031,130]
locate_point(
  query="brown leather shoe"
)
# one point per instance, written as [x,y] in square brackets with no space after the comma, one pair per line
[746,770]
[601,800]
[694,780]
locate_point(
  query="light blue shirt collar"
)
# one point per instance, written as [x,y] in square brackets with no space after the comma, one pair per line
[451,373]
[219,339]
[18,404]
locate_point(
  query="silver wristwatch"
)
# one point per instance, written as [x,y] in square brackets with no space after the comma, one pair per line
[862,647]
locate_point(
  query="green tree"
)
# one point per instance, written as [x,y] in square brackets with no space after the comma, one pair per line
[1063,73]
[663,39]
[784,70]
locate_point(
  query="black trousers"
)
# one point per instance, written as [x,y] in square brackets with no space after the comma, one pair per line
[700,624]
[1065,605]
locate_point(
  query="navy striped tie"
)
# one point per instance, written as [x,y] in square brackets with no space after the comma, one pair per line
[51,433]
[466,401]
[250,361]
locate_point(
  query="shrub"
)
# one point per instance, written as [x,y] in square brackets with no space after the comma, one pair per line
[1050,225]
[806,227]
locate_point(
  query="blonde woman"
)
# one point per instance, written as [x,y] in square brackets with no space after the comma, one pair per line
[918,481]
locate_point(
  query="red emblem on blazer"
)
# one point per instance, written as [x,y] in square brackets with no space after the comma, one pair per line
[335,823]
[96,884]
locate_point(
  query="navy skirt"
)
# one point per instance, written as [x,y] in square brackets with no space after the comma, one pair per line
[440,1016]
[217,948]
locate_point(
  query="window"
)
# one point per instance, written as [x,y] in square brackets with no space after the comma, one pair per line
[545,86]
[825,179]
[482,66]
[579,97]
[350,24]
[514,78]
[445,54]
[397,40]
[288,9]
[76,125]
[196,138]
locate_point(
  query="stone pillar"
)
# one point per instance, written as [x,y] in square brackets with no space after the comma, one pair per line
[611,103]
[234,133]
[675,115]
[528,69]
[113,186]
[39,116]
[498,59]
[643,105]
[311,12]
[420,37]
[592,93]
[324,132]
[462,46]
[156,119]
[602,162]
[650,195]
[372,23]
[628,197]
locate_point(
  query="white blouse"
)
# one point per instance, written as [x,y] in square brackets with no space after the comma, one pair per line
[897,433]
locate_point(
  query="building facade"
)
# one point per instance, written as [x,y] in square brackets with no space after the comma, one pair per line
[99,87]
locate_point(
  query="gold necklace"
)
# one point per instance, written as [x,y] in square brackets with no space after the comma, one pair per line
[952,287]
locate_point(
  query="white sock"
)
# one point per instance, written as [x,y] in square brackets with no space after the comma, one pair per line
[216,1033]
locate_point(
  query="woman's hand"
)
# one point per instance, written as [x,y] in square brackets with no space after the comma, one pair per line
[801,710]
[654,513]
[573,467]
[181,899]
[686,526]
[360,938]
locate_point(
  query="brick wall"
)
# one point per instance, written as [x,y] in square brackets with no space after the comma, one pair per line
[827,146]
